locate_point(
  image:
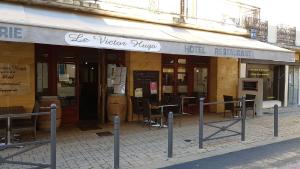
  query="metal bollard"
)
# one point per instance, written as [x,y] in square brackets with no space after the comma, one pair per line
[53,136]
[116,142]
[276,120]
[243,119]
[201,107]
[170,135]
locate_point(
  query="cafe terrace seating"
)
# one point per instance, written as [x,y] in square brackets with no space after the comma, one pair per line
[18,125]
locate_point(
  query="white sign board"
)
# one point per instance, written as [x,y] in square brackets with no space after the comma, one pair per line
[111,42]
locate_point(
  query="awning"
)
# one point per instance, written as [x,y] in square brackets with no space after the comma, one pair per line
[22,23]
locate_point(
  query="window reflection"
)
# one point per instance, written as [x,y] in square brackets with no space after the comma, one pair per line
[66,83]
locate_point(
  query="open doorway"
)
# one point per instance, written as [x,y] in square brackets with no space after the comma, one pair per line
[88,100]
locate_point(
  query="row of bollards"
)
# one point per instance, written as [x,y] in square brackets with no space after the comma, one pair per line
[170,130]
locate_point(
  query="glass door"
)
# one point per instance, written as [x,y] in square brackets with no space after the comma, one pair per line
[200,81]
[293,85]
[66,91]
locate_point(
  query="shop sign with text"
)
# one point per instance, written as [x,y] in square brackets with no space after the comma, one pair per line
[111,42]
[14,79]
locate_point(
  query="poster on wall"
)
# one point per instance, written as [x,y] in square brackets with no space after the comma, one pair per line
[14,79]
[153,87]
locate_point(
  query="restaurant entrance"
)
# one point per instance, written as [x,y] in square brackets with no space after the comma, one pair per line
[71,74]
[88,101]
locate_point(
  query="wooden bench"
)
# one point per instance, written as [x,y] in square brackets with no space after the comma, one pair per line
[18,125]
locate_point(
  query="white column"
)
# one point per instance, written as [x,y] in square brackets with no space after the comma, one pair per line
[243,70]
[286,85]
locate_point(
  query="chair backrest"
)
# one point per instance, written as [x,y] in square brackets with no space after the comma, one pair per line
[228,106]
[153,98]
[137,107]
[250,103]
[146,105]
[175,99]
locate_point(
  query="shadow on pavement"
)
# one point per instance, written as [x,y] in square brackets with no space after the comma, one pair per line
[241,157]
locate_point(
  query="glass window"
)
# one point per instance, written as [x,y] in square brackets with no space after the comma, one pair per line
[293,85]
[168,76]
[182,61]
[266,72]
[42,78]
[200,81]
[66,83]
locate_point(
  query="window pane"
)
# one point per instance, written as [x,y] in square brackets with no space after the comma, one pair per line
[200,81]
[66,83]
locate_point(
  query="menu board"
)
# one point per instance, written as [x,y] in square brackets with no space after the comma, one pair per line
[119,80]
[14,79]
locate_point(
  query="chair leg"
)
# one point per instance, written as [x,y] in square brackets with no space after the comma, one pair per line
[180,121]
[34,134]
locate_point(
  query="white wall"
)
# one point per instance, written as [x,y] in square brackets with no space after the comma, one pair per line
[297,36]
[272,33]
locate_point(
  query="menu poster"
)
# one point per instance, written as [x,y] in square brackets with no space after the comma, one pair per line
[119,80]
[138,92]
[153,87]
[14,79]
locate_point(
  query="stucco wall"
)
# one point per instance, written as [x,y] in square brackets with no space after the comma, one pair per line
[223,80]
[140,61]
[19,53]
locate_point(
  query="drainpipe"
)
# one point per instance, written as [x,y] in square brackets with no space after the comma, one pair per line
[182,6]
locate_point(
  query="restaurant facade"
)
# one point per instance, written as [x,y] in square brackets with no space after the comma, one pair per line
[86,60]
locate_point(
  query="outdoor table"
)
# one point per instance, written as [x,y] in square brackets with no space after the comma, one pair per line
[182,102]
[162,106]
[11,112]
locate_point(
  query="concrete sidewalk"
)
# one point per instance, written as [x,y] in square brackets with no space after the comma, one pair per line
[144,148]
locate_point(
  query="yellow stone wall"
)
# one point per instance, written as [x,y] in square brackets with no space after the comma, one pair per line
[227,79]
[140,61]
[19,53]
[297,56]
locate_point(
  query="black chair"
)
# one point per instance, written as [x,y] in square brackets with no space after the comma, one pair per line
[231,106]
[250,105]
[152,113]
[193,102]
[177,111]
[137,107]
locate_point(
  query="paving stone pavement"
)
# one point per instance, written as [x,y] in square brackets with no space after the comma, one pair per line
[144,148]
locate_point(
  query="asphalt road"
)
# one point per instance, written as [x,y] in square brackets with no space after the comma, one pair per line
[285,154]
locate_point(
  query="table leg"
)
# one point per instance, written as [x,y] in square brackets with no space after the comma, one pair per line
[162,115]
[8,131]
[182,103]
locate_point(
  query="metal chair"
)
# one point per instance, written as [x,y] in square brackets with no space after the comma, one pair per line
[231,106]
[137,107]
[151,112]
[250,105]
[177,111]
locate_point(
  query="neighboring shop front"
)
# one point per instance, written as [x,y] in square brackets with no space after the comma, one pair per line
[293,82]
[89,65]
[280,79]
